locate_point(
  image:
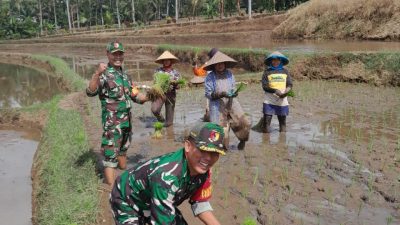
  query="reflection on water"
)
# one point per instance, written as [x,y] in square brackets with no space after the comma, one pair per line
[16,155]
[22,86]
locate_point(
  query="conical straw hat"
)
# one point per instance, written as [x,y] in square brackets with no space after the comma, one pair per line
[220,57]
[276,55]
[166,55]
[197,80]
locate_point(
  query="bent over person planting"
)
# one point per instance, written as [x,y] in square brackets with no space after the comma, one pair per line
[224,108]
[150,192]
[115,91]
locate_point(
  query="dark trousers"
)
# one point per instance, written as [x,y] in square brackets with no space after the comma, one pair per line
[156,106]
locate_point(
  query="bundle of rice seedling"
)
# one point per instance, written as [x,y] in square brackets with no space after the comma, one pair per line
[181,82]
[161,85]
[241,86]
[291,93]
[157,129]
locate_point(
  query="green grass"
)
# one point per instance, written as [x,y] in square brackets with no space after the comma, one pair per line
[249,221]
[62,70]
[67,192]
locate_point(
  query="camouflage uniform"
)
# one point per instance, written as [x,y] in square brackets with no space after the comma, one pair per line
[151,192]
[114,92]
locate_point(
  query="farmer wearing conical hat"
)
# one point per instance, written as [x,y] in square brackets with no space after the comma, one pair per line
[224,107]
[114,88]
[276,82]
[200,75]
[166,59]
[151,192]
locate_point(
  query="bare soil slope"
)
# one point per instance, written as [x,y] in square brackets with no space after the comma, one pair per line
[359,19]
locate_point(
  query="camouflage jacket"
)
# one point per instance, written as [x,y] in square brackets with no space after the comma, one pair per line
[114,90]
[156,187]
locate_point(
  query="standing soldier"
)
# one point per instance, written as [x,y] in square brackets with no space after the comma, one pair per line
[151,192]
[167,60]
[115,91]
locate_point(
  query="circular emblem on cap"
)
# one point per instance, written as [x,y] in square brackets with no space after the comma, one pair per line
[214,136]
[116,45]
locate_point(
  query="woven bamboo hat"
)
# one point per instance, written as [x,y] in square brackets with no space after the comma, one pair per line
[167,55]
[220,57]
[197,80]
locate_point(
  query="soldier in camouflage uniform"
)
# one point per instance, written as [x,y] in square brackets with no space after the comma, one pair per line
[150,192]
[114,88]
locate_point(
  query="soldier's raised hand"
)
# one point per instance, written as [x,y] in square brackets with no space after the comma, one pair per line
[101,68]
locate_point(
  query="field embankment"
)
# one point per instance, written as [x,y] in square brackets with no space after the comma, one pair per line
[339,19]
[378,68]
[66,188]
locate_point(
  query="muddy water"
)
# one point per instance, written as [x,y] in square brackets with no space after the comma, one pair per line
[22,86]
[337,164]
[17,151]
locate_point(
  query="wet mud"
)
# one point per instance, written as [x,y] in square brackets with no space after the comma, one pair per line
[338,163]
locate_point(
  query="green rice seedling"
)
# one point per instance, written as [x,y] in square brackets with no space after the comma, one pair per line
[157,129]
[249,221]
[240,87]
[181,82]
[255,178]
[291,93]
[161,85]
[389,220]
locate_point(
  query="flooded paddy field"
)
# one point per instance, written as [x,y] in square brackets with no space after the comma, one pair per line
[338,163]
[22,86]
[17,151]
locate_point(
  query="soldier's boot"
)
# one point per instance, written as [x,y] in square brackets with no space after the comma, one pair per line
[267,123]
[122,162]
[241,145]
[282,123]
[109,175]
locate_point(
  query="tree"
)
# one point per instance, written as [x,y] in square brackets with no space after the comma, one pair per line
[55,13]
[68,16]
[133,11]
[118,16]
[40,17]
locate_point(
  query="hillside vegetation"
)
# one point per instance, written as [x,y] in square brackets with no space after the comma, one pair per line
[339,19]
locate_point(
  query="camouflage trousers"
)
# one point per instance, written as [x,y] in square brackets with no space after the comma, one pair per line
[126,212]
[116,138]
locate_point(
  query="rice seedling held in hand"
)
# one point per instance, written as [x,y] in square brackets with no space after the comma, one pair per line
[157,130]
[240,87]
[161,85]
[291,93]
[181,82]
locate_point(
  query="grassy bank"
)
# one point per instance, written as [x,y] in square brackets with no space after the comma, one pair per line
[359,19]
[378,68]
[61,69]
[65,183]
[65,191]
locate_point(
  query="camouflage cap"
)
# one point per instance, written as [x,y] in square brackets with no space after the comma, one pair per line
[209,137]
[115,46]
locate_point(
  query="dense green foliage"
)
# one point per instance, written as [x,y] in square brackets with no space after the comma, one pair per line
[29,18]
